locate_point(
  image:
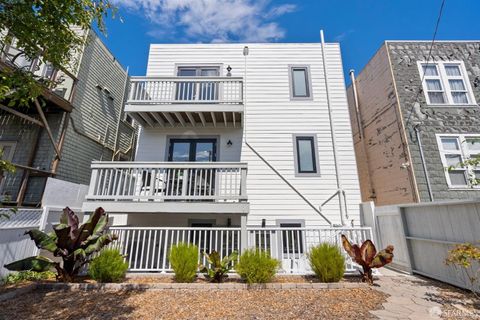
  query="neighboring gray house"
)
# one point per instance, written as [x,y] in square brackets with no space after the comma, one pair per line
[412,119]
[85,117]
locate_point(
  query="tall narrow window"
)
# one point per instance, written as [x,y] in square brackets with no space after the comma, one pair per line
[433,84]
[300,85]
[306,161]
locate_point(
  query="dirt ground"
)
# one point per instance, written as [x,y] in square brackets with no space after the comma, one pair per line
[193,304]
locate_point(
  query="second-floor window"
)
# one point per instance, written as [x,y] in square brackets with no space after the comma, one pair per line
[300,84]
[306,160]
[194,90]
[446,83]
[455,151]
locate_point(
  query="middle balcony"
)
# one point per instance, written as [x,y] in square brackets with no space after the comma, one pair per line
[186,101]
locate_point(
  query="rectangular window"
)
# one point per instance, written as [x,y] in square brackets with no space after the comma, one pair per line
[455,151]
[305,148]
[300,84]
[446,83]
[292,238]
[193,90]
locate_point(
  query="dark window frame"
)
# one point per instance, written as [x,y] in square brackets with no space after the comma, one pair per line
[314,153]
[193,145]
[308,82]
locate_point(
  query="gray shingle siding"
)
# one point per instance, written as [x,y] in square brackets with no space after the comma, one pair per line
[434,120]
[91,131]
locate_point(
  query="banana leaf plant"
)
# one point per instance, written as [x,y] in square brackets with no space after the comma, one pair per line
[75,244]
[366,256]
[217,268]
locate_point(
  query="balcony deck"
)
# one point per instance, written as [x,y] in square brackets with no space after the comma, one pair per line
[186,101]
[168,187]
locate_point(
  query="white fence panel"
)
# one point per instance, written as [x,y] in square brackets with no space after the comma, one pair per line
[424,233]
[147,249]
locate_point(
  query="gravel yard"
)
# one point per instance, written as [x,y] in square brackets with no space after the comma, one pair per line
[192,304]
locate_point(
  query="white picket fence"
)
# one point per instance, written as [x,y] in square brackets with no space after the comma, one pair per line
[147,249]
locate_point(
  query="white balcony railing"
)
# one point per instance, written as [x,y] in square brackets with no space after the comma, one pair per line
[160,181]
[146,249]
[185,90]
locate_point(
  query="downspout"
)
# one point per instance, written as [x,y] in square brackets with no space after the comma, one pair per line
[332,132]
[361,134]
[317,210]
[422,158]
[120,115]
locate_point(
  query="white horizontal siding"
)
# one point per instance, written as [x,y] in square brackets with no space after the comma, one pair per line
[271,121]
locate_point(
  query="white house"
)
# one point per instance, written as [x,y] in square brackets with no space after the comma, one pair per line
[239,143]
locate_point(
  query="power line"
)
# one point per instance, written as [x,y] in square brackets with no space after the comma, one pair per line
[427,64]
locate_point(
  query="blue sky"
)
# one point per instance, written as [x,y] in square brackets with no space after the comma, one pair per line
[359,25]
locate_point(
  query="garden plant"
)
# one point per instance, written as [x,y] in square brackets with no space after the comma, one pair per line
[366,255]
[217,268]
[75,244]
[108,266]
[256,266]
[327,262]
[184,261]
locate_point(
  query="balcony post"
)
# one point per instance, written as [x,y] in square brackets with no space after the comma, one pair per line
[243,182]
[93,182]
[243,233]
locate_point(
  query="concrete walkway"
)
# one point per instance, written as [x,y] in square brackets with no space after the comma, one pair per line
[410,297]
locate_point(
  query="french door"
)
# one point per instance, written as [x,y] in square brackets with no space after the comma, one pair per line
[195,182]
[203,91]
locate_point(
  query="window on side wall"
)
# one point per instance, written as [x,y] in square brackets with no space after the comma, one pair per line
[300,83]
[455,152]
[305,155]
[446,83]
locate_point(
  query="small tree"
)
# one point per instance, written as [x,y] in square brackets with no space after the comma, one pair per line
[466,256]
[73,243]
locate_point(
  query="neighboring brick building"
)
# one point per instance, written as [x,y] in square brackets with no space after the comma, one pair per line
[398,113]
[86,110]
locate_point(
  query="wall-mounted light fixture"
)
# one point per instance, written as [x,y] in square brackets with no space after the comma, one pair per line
[264,223]
[229,143]
[229,74]
[229,222]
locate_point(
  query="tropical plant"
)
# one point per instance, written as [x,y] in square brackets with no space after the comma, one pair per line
[327,262]
[217,268]
[466,256]
[73,243]
[184,261]
[18,277]
[108,266]
[366,256]
[256,266]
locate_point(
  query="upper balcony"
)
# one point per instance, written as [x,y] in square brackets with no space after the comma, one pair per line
[186,101]
[60,88]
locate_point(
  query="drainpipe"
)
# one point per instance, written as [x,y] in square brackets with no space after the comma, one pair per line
[422,157]
[361,134]
[120,116]
[332,133]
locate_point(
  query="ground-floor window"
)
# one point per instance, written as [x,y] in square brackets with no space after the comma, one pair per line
[459,154]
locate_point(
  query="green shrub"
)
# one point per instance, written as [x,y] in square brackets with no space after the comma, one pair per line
[256,266]
[17,277]
[327,262]
[108,266]
[184,261]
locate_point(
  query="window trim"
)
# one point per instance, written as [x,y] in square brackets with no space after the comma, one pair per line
[316,163]
[199,66]
[442,76]
[308,81]
[464,153]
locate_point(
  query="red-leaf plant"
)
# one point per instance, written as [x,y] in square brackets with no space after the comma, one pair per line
[366,255]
